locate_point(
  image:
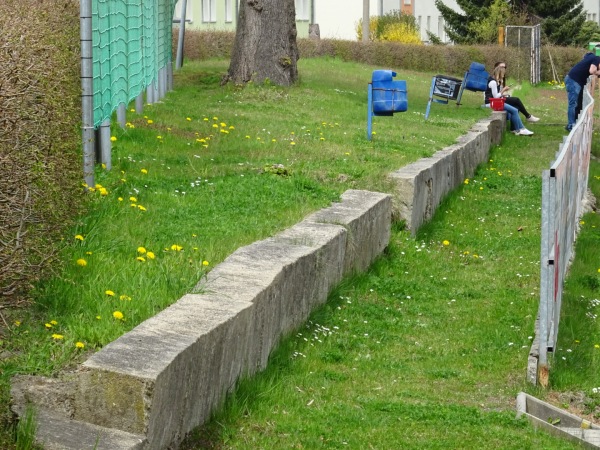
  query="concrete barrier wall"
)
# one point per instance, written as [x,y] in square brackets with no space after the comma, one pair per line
[151,386]
[422,185]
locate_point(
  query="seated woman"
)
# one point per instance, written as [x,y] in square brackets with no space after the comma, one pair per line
[496,90]
[515,101]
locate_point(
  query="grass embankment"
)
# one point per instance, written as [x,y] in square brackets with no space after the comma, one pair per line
[427,350]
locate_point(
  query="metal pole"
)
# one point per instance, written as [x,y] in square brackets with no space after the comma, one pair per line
[87,94]
[365,24]
[139,103]
[182,20]
[105,144]
[122,114]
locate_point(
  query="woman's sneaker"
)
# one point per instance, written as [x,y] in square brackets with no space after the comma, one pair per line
[533,119]
[524,132]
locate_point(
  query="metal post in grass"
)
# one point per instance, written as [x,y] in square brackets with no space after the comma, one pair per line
[105,144]
[87,92]
[139,103]
[122,114]
[170,77]
[150,93]
[182,18]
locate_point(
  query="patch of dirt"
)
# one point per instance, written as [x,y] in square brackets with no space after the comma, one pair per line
[577,403]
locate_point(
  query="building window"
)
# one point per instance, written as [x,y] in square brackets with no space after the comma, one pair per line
[228,11]
[302,9]
[407,2]
[209,11]
[428,23]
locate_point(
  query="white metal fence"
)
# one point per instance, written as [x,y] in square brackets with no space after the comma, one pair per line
[563,191]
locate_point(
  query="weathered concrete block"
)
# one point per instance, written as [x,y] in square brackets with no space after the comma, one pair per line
[422,185]
[167,373]
[367,216]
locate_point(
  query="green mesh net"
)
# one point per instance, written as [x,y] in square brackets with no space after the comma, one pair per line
[131,41]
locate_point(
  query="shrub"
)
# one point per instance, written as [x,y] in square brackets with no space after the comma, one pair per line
[394,27]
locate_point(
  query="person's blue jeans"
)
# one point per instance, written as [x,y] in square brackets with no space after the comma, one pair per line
[513,115]
[573,91]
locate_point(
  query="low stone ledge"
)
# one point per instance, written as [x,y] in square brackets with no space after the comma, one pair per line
[422,185]
[167,375]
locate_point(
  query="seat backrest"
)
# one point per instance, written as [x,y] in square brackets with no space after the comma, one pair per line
[476,77]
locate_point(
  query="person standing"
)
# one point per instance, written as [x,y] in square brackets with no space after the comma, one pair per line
[496,90]
[575,82]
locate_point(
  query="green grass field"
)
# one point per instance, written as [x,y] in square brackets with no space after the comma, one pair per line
[428,349]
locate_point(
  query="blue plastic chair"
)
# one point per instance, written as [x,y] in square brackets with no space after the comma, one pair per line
[475,80]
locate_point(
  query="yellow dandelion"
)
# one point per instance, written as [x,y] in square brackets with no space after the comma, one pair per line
[48,325]
[81,262]
[118,315]
[133,205]
[79,237]
[54,322]
[176,247]
[150,121]
[189,119]
[466,181]
[159,137]
[597,346]
[109,293]
[214,125]
[141,259]
[144,171]
[18,323]
[132,199]
[141,208]
[103,191]
[292,143]
[124,297]
[120,199]
[79,345]
[150,255]
[582,222]
[57,337]
[141,250]
[446,243]
[132,110]
[103,166]
[205,263]
[113,139]
[98,317]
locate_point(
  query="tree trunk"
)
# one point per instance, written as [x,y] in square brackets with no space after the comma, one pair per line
[265,47]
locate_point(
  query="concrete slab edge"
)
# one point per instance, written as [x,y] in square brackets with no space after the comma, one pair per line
[556,421]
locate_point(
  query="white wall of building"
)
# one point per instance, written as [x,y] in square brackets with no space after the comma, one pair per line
[338,19]
[592,8]
[429,18]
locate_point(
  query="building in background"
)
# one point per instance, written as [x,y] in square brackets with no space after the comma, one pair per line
[592,9]
[336,19]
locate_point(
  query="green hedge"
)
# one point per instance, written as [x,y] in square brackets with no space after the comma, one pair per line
[40,163]
[447,59]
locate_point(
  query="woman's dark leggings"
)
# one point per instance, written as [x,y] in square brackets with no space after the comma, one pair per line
[517,103]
